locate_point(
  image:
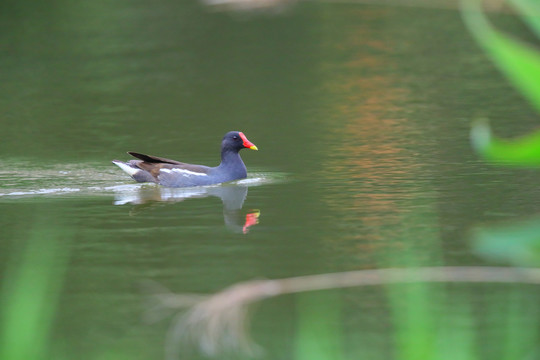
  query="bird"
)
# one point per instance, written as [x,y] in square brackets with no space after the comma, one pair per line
[172,173]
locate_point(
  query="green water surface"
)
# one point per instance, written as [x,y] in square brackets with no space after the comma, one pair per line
[361,116]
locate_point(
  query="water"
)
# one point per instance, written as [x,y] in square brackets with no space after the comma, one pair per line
[361,115]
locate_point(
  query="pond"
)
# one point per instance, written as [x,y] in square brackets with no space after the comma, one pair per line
[361,114]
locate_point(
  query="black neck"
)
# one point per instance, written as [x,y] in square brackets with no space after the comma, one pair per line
[230,157]
[232,164]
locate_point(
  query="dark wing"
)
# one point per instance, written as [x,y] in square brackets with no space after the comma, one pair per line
[172,173]
[154,159]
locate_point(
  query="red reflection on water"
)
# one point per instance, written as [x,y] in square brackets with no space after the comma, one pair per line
[251,220]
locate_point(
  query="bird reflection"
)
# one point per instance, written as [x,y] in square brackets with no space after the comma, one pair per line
[233,197]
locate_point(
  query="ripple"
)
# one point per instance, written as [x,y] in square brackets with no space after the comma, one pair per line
[42,192]
[25,179]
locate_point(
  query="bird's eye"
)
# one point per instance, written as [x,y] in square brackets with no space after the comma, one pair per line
[235,137]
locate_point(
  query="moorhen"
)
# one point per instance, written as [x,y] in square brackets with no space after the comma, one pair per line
[173,173]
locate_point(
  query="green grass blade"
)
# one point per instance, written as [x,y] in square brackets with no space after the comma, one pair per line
[318,335]
[517,60]
[521,64]
[29,295]
[530,11]
[414,321]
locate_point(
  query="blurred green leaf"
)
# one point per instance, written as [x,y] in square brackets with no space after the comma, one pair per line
[414,321]
[516,243]
[30,292]
[523,151]
[530,11]
[319,333]
[520,62]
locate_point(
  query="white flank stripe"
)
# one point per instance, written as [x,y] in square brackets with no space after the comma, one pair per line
[128,169]
[183,172]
